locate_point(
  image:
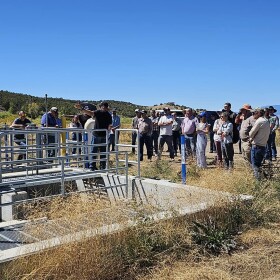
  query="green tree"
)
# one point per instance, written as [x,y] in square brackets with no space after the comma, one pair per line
[33,110]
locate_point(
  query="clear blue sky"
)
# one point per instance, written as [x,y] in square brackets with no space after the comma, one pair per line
[199,53]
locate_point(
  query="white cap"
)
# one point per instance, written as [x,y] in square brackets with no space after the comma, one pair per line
[54,109]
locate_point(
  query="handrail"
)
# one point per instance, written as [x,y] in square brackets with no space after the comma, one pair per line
[36,157]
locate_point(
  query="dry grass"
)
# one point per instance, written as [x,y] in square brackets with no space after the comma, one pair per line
[160,250]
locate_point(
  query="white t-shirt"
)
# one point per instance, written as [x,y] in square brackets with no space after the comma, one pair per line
[167,128]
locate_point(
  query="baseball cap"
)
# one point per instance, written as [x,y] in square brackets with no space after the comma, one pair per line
[202,114]
[54,109]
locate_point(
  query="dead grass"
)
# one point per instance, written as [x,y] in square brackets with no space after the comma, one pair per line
[162,250]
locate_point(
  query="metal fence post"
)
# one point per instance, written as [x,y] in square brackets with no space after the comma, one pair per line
[183,159]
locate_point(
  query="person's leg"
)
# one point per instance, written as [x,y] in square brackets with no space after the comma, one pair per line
[230,153]
[161,144]
[203,150]
[141,146]
[169,142]
[102,149]
[51,145]
[212,144]
[198,151]
[239,146]
[188,145]
[219,152]
[174,142]
[149,147]
[156,135]
[268,150]
[193,145]
[246,150]
[273,145]
[257,155]
[94,149]
[112,142]
[225,156]
[133,141]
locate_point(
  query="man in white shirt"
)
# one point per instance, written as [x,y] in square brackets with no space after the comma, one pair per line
[165,132]
[258,137]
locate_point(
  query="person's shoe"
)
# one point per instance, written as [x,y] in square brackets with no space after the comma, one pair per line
[211,152]
[273,158]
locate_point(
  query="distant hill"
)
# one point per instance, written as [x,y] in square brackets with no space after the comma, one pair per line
[35,106]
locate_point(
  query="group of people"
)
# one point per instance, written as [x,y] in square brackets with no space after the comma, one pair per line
[253,129]
[155,131]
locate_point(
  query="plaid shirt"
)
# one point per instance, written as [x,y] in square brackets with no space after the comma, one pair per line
[155,123]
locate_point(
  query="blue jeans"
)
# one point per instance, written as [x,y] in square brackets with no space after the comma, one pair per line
[98,140]
[257,155]
[273,145]
[190,144]
[133,140]
[155,136]
[268,150]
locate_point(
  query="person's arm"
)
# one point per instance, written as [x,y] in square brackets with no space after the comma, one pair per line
[17,125]
[276,126]
[80,107]
[254,130]
[118,124]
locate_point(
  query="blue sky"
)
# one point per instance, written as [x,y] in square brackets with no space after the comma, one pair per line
[199,53]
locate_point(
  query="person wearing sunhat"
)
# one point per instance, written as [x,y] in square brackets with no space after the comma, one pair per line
[245,127]
[145,128]
[242,115]
[274,125]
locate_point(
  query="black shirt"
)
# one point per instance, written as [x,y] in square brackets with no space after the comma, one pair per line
[22,122]
[102,121]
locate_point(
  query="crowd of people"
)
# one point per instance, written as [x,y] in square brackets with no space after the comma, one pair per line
[253,129]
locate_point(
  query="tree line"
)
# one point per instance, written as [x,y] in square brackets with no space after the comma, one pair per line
[36,106]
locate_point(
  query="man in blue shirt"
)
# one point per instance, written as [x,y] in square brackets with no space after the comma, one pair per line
[116,123]
[49,120]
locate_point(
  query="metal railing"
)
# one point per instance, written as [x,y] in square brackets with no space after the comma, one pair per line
[120,146]
[26,155]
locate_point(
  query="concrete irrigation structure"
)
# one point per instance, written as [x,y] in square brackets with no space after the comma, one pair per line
[168,199]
